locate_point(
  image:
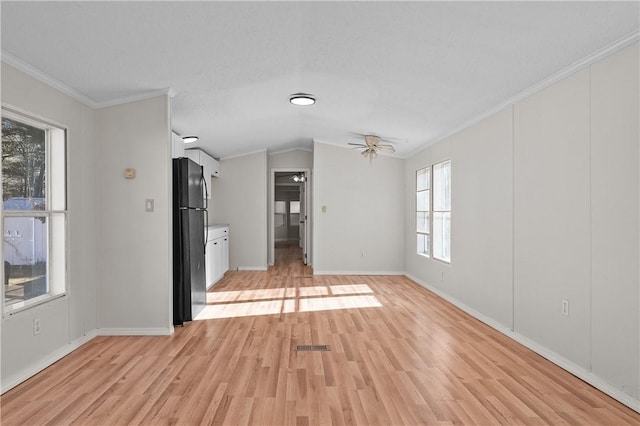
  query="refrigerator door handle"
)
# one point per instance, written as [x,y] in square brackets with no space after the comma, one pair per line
[206,192]
[206,229]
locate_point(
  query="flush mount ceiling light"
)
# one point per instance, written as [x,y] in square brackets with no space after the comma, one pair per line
[302,99]
[190,139]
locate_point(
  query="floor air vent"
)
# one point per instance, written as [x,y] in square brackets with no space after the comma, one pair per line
[311,348]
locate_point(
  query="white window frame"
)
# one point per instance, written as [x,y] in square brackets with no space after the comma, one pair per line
[56,211]
[444,211]
[424,233]
[431,213]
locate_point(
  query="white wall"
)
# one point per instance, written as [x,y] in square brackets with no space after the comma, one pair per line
[69,321]
[361,231]
[296,160]
[240,200]
[135,273]
[615,311]
[557,173]
[480,273]
[551,217]
[291,159]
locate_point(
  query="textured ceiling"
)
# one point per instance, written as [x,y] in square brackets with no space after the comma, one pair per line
[411,71]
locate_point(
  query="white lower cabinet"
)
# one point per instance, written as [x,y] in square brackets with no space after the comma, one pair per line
[217,254]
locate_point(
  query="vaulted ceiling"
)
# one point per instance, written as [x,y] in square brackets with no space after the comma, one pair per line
[410,71]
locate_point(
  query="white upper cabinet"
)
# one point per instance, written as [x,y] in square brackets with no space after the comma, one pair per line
[215,167]
[177,146]
[210,165]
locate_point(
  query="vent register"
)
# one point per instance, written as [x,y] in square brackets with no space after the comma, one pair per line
[311,348]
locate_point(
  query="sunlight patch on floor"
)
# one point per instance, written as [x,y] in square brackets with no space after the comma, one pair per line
[247,309]
[241,295]
[244,303]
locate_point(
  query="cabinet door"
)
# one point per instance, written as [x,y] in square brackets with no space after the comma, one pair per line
[215,167]
[217,258]
[225,254]
[194,154]
[208,264]
[177,146]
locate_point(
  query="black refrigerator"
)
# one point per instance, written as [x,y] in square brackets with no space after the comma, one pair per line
[189,218]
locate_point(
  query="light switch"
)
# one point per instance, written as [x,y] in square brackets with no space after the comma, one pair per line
[148,205]
[324,209]
[129,173]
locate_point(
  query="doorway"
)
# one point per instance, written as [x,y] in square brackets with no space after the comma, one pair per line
[290,218]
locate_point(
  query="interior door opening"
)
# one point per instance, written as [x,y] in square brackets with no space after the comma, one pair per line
[290,216]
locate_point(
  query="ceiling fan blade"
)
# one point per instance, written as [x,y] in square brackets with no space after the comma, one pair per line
[382,138]
[357,144]
[385,148]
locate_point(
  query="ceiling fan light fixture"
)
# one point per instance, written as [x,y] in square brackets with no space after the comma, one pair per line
[190,139]
[302,99]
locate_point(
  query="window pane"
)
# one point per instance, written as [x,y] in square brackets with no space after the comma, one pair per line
[422,201]
[294,219]
[423,179]
[278,219]
[442,236]
[294,207]
[442,186]
[281,207]
[57,177]
[422,222]
[23,166]
[423,244]
[25,258]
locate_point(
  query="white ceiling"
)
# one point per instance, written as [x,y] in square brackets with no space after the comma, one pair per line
[412,71]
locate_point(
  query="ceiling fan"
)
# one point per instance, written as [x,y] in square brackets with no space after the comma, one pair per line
[372,146]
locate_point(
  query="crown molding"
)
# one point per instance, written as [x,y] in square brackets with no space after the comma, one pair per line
[230,157]
[46,79]
[283,151]
[580,64]
[39,75]
[140,97]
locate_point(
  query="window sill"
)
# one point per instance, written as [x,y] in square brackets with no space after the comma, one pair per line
[15,308]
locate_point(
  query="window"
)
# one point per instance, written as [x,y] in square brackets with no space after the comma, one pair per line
[280,213]
[442,211]
[33,210]
[423,200]
[433,211]
[294,213]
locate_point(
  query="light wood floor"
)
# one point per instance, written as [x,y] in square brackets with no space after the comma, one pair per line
[399,355]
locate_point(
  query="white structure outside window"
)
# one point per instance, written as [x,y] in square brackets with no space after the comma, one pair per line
[34,210]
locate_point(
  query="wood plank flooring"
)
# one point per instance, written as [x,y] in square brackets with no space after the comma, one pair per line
[399,356]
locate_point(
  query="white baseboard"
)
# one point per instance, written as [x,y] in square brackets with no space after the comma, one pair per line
[573,368]
[156,331]
[20,376]
[315,272]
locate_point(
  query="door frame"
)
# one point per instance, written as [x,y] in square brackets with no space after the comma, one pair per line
[307,203]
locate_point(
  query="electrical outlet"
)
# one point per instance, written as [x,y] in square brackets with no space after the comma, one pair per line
[565,307]
[36,326]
